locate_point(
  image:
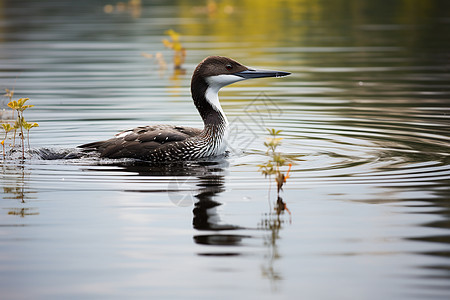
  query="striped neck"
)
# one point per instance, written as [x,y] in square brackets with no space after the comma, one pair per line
[215,122]
[206,100]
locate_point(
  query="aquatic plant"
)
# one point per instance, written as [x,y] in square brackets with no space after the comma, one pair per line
[272,222]
[179,56]
[159,58]
[273,166]
[174,43]
[16,187]
[134,7]
[27,126]
[20,123]
[9,94]
[213,9]
[7,128]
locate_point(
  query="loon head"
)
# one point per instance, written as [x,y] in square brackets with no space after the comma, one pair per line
[219,71]
[215,72]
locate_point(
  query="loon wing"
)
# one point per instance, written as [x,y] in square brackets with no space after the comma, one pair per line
[140,141]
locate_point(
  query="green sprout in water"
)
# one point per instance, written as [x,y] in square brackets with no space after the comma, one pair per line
[175,44]
[179,56]
[274,165]
[27,126]
[7,128]
[20,124]
[272,222]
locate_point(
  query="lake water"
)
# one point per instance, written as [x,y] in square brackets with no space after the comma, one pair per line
[365,114]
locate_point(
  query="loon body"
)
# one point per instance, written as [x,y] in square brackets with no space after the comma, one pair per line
[168,143]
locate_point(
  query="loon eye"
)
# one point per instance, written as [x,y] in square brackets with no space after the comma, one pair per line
[229,67]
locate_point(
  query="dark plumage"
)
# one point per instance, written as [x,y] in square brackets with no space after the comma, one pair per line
[141,142]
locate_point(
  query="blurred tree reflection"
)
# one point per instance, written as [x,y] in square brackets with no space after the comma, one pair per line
[257,25]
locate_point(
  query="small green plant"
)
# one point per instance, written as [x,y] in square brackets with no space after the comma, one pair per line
[159,58]
[20,123]
[174,43]
[134,7]
[27,126]
[274,165]
[7,128]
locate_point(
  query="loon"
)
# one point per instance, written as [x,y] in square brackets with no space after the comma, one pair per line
[168,143]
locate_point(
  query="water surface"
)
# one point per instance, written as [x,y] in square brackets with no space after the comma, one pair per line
[365,114]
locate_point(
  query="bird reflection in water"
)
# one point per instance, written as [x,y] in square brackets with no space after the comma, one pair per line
[206,217]
[208,178]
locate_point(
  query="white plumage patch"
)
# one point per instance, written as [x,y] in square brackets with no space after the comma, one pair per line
[215,83]
[220,81]
[123,134]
